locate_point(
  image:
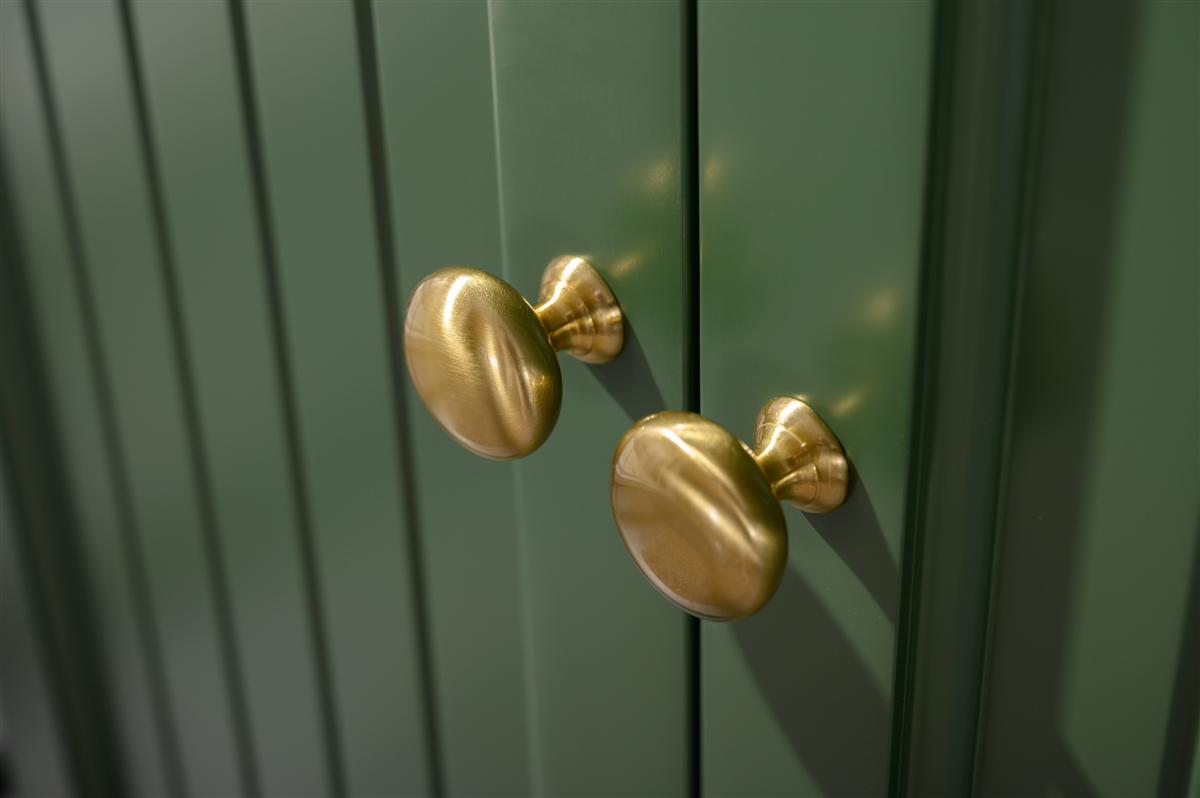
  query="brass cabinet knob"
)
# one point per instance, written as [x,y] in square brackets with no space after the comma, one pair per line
[699,510]
[483,359]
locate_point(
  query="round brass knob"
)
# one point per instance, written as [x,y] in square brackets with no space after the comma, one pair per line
[699,510]
[483,359]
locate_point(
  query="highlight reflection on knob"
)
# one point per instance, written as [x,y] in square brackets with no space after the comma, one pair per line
[699,511]
[483,360]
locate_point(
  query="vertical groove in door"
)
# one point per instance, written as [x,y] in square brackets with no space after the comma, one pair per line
[690,188]
[621,207]
[773,713]
[312,584]
[1111,222]
[533,726]
[983,127]
[77,771]
[440,158]
[389,288]
[12,264]
[1039,21]
[40,761]
[315,167]
[925,366]
[63,629]
[1179,762]
[99,372]
[219,582]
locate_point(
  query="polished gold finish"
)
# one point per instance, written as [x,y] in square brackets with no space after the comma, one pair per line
[482,358]
[699,510]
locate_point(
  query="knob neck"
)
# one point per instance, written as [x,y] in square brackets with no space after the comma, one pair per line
[579,311]
[799,455]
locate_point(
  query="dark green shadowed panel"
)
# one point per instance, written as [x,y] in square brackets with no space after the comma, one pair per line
[986,87]
[589,124]
[36,757]
[90,84]
[314,152]
[109,547]
[441,169]
[190,81]
[813,139]
[1095,643]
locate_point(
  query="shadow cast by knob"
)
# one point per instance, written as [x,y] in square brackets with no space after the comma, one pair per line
[629,380]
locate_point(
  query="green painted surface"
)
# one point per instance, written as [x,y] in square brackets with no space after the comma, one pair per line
[91,89]
[35,753]
[557,669]
[1194,780]
[589,126]
[42,238]
[310,102]
[812,169]
[985,100]
[560,128]
[1097,554]
[438,132]
[189,71]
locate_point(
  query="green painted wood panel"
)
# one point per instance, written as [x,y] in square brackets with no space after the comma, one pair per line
[1194,781]
[313,145]
[36,760]
[1093,661]
[110,550]
[589,132]
[985,102]
[813,139]
[438,133]
[91,89]
[188,69]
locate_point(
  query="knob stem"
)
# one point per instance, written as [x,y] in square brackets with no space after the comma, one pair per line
[579,311]
[800,456]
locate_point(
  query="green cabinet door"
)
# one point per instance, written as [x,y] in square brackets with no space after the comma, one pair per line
[556,130]
[93,117]
[306,587]
[38,246]
[238,557]
[589,104]
[1093,679]
[968,235]
[812,170]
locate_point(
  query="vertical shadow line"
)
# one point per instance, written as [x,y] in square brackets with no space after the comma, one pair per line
[1179,746]
[81,772]
[268,250]
[146,619]
[924,410]
[218,578]
[390,288]
[49,552]
[690,179]
[1041,25]
[529,673]
[23,540]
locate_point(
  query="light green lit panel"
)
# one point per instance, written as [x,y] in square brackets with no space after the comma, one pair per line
[91,89]
[1091,686]
[309,95]
[438,132]
[189,72]
[589,126]
[813,137]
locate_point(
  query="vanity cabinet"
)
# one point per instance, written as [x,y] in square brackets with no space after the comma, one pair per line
[239,557]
